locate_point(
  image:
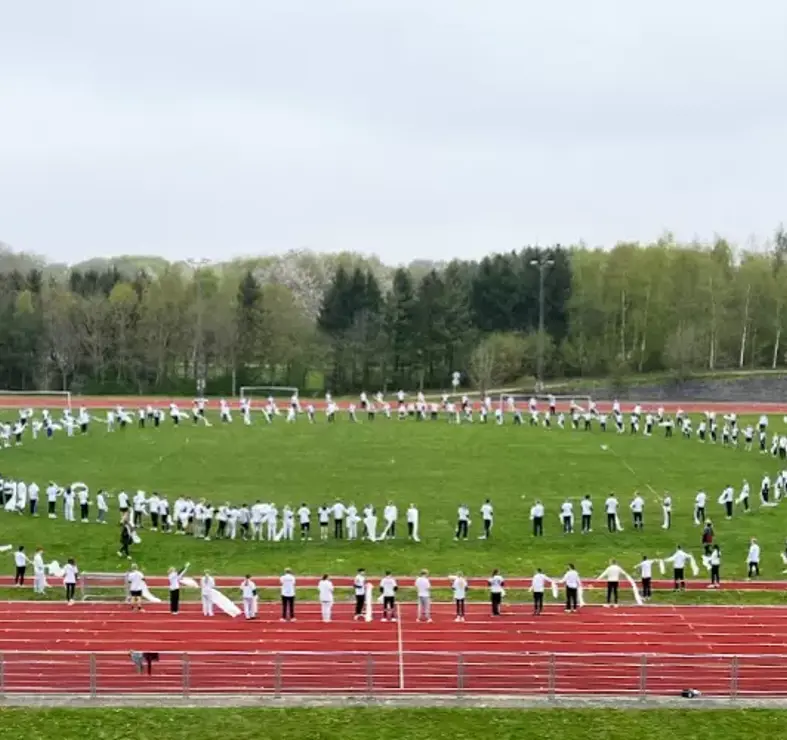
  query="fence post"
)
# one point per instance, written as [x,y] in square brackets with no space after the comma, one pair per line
[734,678]
[185,667]
[2,674]
[93,676]
[277,675]
[552,677]
[370,675]
[643,677]
[460,674]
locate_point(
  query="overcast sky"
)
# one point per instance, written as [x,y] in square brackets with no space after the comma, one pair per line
[405,128]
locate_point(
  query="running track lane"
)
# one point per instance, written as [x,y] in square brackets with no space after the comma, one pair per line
[685,647]
[133,402]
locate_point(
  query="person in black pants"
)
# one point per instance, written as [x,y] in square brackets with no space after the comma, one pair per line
[125,539]
[174,576]
[359,588]
[20,560]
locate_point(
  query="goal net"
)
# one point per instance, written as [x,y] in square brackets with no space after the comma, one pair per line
[35,399]
[104,587]
[562,403]
[250,392]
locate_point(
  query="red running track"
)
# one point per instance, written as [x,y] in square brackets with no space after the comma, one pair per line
[49,648]
[132,402]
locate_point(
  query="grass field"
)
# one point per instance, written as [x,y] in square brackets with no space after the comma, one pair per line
[386,724]
[436,465]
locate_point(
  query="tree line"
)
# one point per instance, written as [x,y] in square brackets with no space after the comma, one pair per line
[347,323]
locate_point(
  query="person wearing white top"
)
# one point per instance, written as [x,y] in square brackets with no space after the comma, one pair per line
[537,517]
[173,581]
[304,518]
[136,585]
[70,574]
[423,589]
[325,590]
[496,591]
[339,513]
[572,583]
[20,560]
[101,506]
[32,495]
[359,589]
[207,584]
[612,576]
[678,561]
[537,586]
[586,505]
[39,572]
[248,591]
[459,587]
[287,582]
[637,507]
[462,522]
[645,568]
[487,516]
[753,559]
[699,507]
[715,567]
[388,589]
[611,508]
[412,523]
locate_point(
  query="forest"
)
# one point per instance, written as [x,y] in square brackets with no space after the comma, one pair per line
[345,322]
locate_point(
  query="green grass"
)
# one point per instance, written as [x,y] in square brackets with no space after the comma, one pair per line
[386,724]
[435,465]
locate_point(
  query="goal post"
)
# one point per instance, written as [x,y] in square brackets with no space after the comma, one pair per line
[104,586]
[250,392]
[35,399]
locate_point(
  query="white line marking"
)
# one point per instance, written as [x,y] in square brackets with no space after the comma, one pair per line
[400,646]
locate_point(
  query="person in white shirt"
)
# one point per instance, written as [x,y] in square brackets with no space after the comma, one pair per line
[388,589]
[572,583]
[645,568]
[715,567]
[70,574]
[459,587]
[753,559]
[123,503]
[637,507]
[287,582]
[207,584]
[304,518]
[666,509]
[248,591]
[339,514]
[412,523]
[52,492]
[325,589]
[496,591]
[586,506]
[68,504]
[136,585]
[39,572]
[101,506]
[537,586]
[611,508]
[324,517]
[462,523]
[678,561]
[423,589]
[612,576]
[173,581]
[359,589]
[487,517]
[727,498]
[20,560]
[537,517]
[32,494]
[567,517]
[390,514]
[699,507]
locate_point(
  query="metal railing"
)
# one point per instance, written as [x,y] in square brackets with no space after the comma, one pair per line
[550,675]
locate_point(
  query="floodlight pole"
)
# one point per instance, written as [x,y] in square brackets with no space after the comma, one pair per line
[542,263]
[196,265]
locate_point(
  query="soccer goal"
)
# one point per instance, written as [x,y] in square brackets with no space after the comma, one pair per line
[251,392]
[35,399]
[563,403]
[104,587]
